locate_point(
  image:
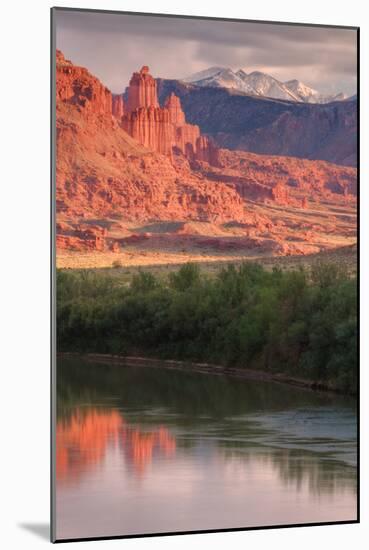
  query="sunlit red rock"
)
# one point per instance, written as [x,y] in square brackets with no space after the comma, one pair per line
[289,176]
[81,237]
[162,128]
[142,91]
[117,106]
[75,85]
[152,165]
[151,127]
[176,114]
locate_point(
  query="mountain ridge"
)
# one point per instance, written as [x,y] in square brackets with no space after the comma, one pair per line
[261,84]
[270,126]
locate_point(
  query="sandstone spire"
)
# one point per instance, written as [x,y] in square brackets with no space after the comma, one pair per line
[176,115]
[142,91]
[162,128]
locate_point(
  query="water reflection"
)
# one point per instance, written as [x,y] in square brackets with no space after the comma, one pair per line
[299,470]
[150,450]
[83,439]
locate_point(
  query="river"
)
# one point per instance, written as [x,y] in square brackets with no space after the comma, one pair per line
[152,450]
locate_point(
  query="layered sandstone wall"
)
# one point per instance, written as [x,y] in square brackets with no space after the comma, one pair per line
[151,127]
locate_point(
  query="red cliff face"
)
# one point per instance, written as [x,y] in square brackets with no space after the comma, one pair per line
[151,127]
[161,129]
[102,171]
[106,173]
[77,86]
[118,106]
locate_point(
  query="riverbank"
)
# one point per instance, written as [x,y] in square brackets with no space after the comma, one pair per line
[207,368]
[302,324]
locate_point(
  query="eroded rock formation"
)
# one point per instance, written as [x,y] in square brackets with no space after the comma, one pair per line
[109,172]
[151,127]
[75,85]
[162,128]
[176,114]
[225,200]
[142,91]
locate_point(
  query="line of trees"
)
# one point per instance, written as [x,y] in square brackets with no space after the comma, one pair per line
[302,322]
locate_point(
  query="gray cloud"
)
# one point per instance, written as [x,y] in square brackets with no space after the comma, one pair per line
[112,46]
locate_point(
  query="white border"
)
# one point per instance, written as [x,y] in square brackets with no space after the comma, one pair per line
[24,233]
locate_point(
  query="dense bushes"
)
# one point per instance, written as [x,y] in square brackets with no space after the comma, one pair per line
[299,322]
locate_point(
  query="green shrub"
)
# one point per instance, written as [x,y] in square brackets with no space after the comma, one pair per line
[299,322]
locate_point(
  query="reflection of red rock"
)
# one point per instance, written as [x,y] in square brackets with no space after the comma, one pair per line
[140,446]
[82,441]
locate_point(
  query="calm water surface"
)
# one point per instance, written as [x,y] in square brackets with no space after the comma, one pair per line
[147,450]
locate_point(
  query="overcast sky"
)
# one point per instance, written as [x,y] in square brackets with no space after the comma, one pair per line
[112,46]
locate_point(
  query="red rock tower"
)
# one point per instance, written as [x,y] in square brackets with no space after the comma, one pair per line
[176,115]
[161,128]
[142,91]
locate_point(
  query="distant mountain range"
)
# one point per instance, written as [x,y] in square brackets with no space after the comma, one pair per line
[269,126]
[260,84]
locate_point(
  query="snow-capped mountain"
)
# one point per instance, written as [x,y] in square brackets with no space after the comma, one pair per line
[260,84]
[309,95]
[220,77]
[266,86]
